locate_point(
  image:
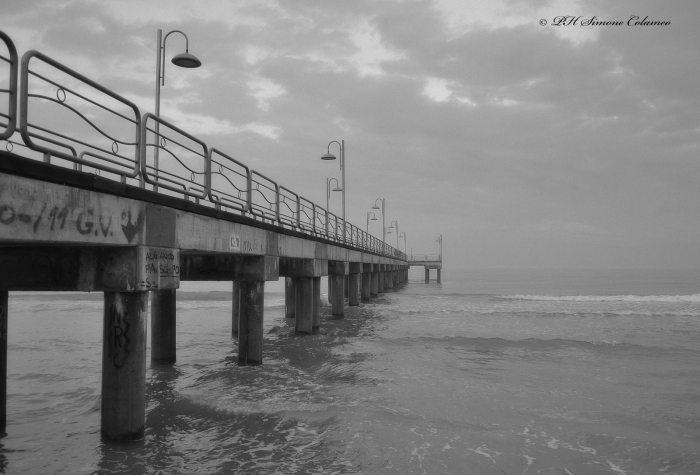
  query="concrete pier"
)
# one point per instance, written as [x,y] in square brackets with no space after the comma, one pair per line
[438,276]
[124,365]
[304,305]
[289,297]
[382,278]
[366,292]
[427,275]
[235,307]
[337,270]
[3,358]
[252,272]
[163,327]
[354,279]
[316,323]
[250,325]
[374,291]
[63,233]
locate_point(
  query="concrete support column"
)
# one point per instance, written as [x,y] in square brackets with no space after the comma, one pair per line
[250,325]
[304,304]
[163,334]
[330,287]
[289,297]
[382,278]
[438,276]
[355,281]
[3,358]
[427,275]
[235,307]
[366,286]
[346,286]
[337,270]
[316,323]
[374,291]
[390,277]
[124,365]
[337,292]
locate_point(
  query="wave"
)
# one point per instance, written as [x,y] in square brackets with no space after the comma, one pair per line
[694,298]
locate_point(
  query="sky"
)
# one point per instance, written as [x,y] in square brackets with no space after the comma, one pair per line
[523,143]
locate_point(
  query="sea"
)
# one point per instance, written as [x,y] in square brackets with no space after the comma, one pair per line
[523,372]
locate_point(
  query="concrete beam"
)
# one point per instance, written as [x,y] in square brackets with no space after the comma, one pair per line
[223,267]
[119,269]
[292,267]
[338,268]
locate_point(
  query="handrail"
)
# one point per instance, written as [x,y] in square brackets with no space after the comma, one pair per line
[11,115]
[130,171]
[257,208]
[424,257]
[214,176]
[156,178]
[226,197]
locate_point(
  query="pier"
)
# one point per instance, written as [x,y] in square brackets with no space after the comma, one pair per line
[133,205]
[427,261]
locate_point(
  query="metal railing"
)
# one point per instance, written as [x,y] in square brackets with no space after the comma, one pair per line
[9,115]
[102,152]
[424,257]
[119,142]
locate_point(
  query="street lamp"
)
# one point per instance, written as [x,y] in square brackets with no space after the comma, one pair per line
[440,241]
[374,218]
[183,60]
[391,226]
[383,217]
[330,156]
[404,241]
[328,197]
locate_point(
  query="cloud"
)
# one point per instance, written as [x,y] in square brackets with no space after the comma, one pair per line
[470,117]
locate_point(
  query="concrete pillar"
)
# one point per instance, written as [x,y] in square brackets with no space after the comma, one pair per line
[346,286]
[124,365]
[3,358]
[250,325]
[374,290]
[289,297]
[304,304]
[235,307]
[366,286]
[163,334]
[330,286]
[382,279]
[390,277]
[427,275]
[438,276]
[316,323]
[337,292]
[354,292]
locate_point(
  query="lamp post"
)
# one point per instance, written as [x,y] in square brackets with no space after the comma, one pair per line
[330,156]
[440,241]
[183,60]
[391,226]
[374,218]
[404,241]
[383,217]
[328,197]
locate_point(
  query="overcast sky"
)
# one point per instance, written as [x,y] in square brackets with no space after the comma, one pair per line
[524,145]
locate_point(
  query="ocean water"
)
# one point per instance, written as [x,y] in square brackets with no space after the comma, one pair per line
[489,372]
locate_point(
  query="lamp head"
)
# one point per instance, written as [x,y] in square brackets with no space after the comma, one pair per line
[373,218]
[375,207]
[186,60]
[328,156]
[337,189]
